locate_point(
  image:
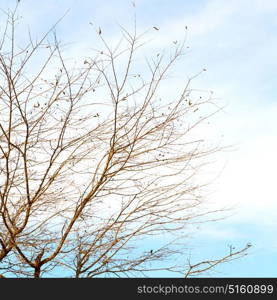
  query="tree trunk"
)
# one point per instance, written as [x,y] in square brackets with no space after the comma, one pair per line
[37,272]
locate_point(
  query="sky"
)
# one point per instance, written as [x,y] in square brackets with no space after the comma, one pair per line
[236,41]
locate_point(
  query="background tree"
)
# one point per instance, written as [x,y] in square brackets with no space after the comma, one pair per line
[94,160]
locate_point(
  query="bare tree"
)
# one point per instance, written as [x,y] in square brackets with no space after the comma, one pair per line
[94,161]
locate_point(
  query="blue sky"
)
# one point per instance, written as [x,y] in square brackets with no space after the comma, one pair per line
[236,41]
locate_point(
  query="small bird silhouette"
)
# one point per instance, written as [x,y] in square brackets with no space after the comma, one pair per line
[99,31]
[156,28]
